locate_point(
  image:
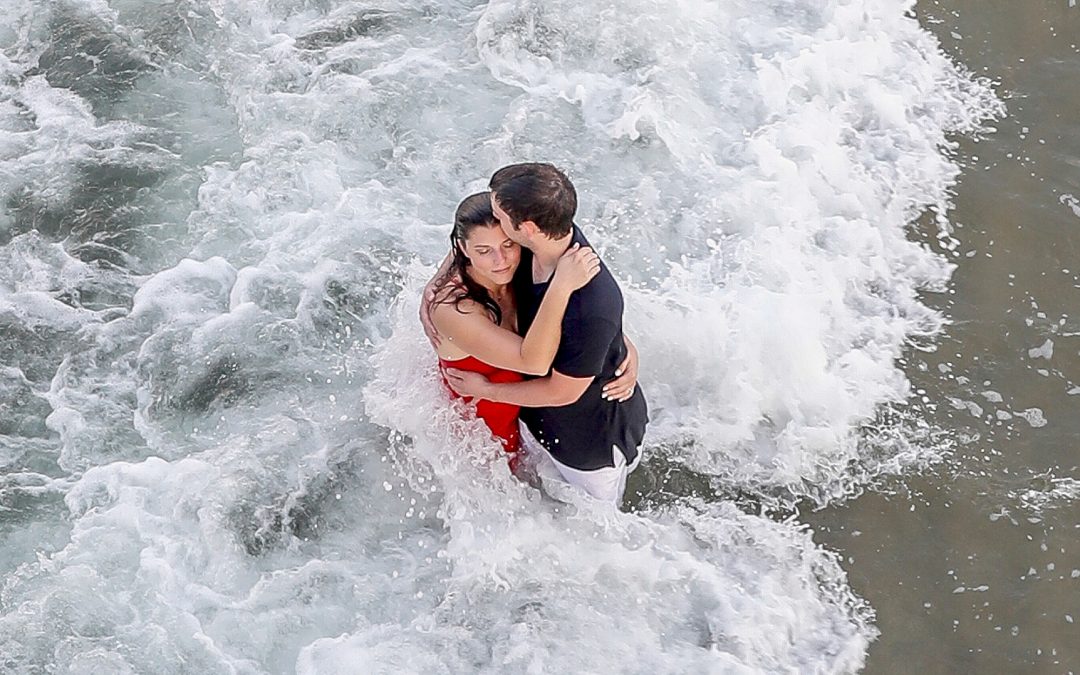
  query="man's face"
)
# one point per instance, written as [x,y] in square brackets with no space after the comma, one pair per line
[515,235]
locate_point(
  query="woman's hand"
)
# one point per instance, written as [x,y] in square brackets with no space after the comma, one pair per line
[427,299]
[622,387]
[576,267]
[467,383]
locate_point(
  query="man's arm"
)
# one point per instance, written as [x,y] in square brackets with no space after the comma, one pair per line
[581,353]
[427,297]
[551,391]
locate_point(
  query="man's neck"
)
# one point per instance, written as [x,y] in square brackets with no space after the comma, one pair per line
[546,254]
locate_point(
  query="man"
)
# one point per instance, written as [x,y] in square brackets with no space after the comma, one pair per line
[592,440]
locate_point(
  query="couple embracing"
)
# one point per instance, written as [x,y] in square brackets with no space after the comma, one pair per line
[527,320]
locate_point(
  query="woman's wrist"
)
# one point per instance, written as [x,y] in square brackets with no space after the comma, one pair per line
[560,287]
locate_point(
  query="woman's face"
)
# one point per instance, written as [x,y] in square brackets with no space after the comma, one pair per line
[494,257]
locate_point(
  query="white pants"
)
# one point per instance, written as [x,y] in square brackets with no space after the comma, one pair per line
[605,484]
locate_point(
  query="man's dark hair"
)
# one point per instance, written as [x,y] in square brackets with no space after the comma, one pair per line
[538,192]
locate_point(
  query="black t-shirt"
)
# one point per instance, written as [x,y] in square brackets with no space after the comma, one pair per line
[581,435]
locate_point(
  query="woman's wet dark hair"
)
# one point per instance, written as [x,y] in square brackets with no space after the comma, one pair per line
[474,211]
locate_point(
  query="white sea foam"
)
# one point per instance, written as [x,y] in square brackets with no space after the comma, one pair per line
[224,414]
[685,588]
[803,147]
[1051,492]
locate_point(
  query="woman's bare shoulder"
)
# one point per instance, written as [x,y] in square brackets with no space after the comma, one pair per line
[451,299]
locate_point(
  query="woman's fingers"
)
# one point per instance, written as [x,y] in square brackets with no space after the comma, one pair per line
[624,378]
[621,394]
[584,255]
[590,260]
[618,384]
[579,265]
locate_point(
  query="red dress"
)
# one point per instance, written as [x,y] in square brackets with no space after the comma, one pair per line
[501,418]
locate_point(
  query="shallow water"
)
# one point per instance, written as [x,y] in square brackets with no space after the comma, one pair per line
[224,445]
[974,566]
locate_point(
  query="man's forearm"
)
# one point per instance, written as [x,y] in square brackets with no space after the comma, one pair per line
[539,393]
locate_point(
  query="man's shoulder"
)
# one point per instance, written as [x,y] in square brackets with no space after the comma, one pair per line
[599,298]
[603,282]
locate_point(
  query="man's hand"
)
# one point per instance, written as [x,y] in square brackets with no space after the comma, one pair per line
[427,298]
[468,383]
[622,387]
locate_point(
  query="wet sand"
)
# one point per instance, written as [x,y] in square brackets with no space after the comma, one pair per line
[974,565]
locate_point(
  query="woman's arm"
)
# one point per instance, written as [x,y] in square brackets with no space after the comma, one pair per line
[469,327]
[575,269]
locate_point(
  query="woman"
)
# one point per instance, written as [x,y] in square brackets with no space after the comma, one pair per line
[473,310]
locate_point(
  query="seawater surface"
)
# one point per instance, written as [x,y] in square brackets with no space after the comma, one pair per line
[974,565]
[224,445]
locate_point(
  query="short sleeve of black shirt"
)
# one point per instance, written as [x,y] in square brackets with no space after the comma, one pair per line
[585,346]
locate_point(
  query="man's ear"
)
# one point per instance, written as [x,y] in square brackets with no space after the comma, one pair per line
[530,229]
